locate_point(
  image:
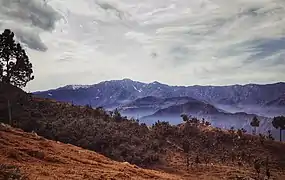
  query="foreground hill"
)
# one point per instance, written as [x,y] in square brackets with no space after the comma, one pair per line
[27,155]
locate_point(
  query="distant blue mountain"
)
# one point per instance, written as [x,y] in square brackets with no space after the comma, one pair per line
[278,102]
[150,104]
[207,111]
[110,94]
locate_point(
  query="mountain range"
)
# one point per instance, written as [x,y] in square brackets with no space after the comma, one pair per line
[224,106]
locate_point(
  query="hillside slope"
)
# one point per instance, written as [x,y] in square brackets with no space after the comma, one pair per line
[29,156]
[222,154]
[39,158]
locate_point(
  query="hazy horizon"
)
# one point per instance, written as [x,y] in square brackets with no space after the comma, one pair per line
[153,82]
[201,42]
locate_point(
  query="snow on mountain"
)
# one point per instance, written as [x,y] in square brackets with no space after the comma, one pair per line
[116,93]
[75,87]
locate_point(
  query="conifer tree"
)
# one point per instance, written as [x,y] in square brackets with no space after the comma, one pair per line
[15,67]
[279,123]
[254,123]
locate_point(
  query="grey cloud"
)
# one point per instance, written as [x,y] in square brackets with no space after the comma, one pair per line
[216,42]
[259,50]
[180,50]
[180,54]
[268,47]
[35,12]
[107,6]
[31,39]
[26,18]
[153,55]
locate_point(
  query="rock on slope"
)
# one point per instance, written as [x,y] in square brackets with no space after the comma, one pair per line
[39,158]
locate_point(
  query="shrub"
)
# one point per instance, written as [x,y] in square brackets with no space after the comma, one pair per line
[269,135]
[261,138]
[11,173]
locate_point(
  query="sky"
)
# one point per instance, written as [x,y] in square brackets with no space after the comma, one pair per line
[177,42]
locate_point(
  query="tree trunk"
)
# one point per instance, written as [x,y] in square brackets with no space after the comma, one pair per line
[187,161]
[254,131]
[9,113]
[7,79]
[280,134]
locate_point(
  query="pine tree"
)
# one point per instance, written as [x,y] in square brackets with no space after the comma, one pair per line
[184,117]
[279,123]
[254,123]
[15,67]
[117,115]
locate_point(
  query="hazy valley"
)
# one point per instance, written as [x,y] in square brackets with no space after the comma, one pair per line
[224,106]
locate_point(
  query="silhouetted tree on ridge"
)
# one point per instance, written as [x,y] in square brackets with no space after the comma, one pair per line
[254,123]
[279,123]
[184,117]
[15,67]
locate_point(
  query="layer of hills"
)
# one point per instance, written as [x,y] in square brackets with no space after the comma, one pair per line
[213,153]
[224,106]
[110,94]
[150,109]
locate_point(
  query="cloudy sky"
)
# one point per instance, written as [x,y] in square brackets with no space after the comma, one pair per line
[178,42]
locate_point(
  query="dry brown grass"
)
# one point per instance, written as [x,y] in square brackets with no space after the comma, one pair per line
[64,161]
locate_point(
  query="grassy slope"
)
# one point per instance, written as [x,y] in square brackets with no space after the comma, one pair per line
[39,158]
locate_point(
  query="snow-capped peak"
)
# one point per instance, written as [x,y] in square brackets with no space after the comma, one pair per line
[75,86]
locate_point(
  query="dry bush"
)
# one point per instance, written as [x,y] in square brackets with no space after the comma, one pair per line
[8,172]
[33,153]
[54,159]
[15,154]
